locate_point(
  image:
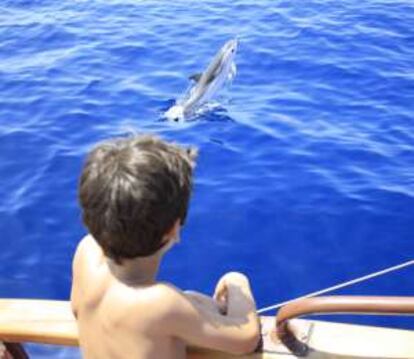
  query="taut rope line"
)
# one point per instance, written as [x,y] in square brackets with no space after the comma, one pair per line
[341,285]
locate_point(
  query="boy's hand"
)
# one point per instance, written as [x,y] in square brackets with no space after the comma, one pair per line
[221,293]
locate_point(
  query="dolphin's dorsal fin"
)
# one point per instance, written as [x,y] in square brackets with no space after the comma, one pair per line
[196,77]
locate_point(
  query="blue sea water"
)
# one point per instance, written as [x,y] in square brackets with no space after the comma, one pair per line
[306,173]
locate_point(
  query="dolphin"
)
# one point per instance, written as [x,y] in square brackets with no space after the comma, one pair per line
[220,70]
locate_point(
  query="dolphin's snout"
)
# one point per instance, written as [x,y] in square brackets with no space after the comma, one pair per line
[175,113]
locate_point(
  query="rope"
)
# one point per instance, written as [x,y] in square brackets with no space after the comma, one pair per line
[341,285]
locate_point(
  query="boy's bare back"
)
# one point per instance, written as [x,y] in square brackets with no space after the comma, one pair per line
[116,320]
[121,310]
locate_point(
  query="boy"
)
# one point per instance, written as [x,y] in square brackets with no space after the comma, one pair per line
[134,195]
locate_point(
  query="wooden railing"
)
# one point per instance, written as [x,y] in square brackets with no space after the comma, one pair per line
[52,322]
[335,305]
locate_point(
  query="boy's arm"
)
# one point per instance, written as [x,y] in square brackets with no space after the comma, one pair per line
[209,303]
[236,332]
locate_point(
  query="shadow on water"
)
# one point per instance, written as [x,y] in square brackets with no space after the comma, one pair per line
[219,114]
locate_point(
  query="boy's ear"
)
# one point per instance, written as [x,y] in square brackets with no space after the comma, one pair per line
[174,232]
[171,237]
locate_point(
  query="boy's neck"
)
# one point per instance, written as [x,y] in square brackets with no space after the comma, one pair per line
[137,271]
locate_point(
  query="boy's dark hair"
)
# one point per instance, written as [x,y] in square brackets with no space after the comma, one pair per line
[132,191]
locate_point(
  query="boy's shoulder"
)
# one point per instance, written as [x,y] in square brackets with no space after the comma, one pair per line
[88,253]
[88,243]
[87,246]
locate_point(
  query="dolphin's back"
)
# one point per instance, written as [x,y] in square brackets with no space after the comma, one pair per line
[202,90]
[210,81]
[212,69]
